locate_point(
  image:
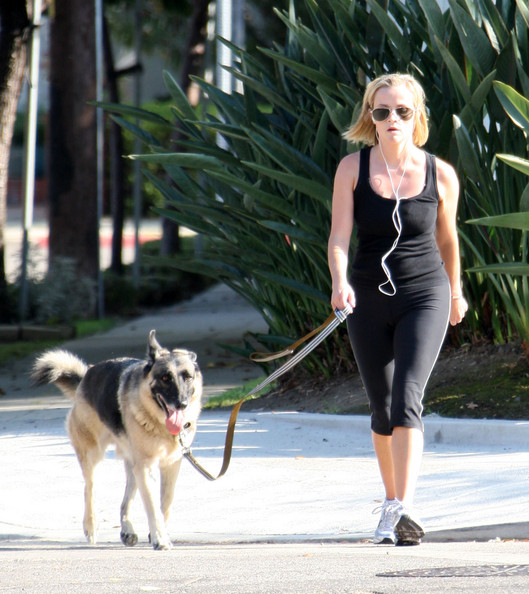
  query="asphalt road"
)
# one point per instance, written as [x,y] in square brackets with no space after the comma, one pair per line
[355,568]
[293,513]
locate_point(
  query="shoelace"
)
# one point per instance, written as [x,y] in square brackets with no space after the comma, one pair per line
[389,511]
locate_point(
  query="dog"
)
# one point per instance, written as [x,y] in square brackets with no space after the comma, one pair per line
[145,407]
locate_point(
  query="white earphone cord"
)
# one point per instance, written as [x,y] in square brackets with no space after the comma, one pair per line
[395,217]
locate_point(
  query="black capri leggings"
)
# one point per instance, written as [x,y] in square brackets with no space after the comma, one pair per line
[396,341]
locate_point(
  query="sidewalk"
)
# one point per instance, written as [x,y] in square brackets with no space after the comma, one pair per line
[293,476]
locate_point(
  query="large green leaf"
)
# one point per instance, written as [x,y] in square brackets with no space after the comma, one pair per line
[340,115]
[523,7]
[316,76]
[179,97]
[298,182]
[291,231]
[516,106]
[513,220]
[474,109]
[265,199]
[524,199]
[474,41]
[132,112]
[137,131]
[434,17]
[516,162]
[311,43]
[341,62]
[495,27]
[191,160]
[320,151]
[389,26]
[468,153]
[508,268]
[457,75]
[285,155]
[264,90]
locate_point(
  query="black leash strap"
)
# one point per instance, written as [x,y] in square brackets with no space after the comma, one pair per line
[334,320]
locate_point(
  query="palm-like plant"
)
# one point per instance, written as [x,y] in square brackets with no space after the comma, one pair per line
[509,274]
[262,197]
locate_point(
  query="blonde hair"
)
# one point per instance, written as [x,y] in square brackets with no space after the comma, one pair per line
[363,130]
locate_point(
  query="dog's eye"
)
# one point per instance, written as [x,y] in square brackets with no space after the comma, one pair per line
[187,377]
[166,378]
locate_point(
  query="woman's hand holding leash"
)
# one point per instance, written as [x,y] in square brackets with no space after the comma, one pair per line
[343,297]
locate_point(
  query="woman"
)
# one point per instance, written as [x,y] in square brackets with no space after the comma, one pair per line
[405,279]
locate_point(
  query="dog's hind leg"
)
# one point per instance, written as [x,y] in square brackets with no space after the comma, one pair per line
[168,476]
[128,537]
[90,446]
[88,460]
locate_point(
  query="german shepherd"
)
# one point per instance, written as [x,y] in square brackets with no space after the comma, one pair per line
[148,408]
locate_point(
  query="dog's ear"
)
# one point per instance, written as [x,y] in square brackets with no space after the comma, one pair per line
[185,353]
[154,347]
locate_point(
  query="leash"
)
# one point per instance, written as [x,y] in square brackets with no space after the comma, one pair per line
[334,320]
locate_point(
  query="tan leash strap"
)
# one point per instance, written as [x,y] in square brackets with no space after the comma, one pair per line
[264,357]
[336,318]
[228,446]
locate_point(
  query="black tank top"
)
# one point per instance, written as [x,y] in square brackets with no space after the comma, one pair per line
[416,260]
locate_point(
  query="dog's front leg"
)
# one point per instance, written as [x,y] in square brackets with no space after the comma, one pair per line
[89,517]
[168,476]
[157,532]
[128,537]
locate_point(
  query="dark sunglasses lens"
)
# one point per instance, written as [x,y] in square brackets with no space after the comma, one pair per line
[404,113]
[380,114]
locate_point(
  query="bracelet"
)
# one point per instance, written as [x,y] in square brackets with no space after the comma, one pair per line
[457,296]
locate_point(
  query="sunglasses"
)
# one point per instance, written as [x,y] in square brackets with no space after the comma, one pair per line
[381,114]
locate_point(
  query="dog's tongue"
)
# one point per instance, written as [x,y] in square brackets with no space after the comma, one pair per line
[174,422]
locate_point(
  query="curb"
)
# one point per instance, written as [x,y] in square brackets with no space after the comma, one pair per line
[12,333]
[437,430]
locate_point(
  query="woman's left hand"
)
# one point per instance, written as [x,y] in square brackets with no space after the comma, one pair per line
[458,309]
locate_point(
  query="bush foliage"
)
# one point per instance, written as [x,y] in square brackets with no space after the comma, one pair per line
[257,175]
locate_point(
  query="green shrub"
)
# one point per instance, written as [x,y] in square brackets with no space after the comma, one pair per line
[263,196]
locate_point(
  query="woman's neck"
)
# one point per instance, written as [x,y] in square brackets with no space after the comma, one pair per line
[395,155]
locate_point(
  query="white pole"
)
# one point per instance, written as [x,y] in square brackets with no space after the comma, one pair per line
[30,149]
[224,55]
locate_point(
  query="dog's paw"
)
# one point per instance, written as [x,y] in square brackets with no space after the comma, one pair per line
[129,539]
[91,538]
[161,543]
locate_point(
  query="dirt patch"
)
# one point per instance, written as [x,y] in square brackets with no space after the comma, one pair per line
[479,381]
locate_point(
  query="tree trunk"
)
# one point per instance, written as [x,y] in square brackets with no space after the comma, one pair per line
[193,59]
[72,150]
[14,30]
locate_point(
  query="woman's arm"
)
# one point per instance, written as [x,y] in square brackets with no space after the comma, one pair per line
[447,238]
[341,229]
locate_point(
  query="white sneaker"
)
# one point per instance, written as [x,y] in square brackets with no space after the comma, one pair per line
[391,512]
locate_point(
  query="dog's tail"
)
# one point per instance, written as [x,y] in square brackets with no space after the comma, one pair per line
[61,368]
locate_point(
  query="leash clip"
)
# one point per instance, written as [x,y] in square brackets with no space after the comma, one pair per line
[186,447]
